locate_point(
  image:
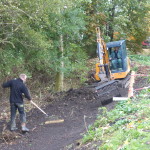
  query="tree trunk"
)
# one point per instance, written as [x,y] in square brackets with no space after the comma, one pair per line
[59,83]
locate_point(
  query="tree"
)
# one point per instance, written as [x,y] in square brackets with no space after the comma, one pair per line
[126,18]
[42,35]
[94,18]
[68,22]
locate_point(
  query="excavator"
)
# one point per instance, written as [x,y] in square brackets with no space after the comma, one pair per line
[111,81]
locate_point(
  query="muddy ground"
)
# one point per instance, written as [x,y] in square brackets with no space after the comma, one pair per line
[78,108]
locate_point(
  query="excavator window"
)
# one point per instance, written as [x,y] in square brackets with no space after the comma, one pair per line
[115,55]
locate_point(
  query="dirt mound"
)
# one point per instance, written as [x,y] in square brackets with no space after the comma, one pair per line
[82,95]
[93,94]
[142,79]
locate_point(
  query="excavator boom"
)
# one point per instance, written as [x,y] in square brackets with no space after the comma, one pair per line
[103,72]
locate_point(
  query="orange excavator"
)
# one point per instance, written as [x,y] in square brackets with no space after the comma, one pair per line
[113,68]
[104,69]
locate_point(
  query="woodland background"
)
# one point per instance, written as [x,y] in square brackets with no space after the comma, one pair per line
[51,40]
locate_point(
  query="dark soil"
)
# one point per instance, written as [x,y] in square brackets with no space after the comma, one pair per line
[78,108]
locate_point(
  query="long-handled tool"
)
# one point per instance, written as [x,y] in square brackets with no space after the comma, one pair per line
[39,108]
[47,122]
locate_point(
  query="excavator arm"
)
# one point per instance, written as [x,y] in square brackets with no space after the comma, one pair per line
[102,67]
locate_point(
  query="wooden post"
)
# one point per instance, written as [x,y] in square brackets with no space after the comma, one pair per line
[130,92]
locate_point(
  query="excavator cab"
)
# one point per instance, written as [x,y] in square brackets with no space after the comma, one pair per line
[119,60]
[113,61]
[117,56]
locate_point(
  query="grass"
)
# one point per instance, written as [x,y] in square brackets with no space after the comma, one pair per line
[127,126]
[142,59]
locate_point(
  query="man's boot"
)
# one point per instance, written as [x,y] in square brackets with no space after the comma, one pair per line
[13,126]
[24,129]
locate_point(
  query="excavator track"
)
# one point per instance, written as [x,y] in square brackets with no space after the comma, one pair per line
[105,91]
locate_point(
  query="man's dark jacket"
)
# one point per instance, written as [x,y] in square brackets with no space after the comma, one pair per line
[17,89]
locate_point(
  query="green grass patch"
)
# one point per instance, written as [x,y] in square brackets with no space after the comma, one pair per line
[126,127]
[142,59]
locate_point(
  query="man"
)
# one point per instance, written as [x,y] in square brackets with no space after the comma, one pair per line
[17,90]
[116,59]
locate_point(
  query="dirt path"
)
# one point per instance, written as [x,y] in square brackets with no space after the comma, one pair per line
[77,108]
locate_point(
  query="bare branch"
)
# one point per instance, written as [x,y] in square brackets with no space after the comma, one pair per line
[21,11]
[8,23]
[4,41]
[13,6]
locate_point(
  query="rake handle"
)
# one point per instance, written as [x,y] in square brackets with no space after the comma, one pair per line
[39,108]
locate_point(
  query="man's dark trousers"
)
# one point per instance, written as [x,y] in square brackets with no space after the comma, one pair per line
[14,107]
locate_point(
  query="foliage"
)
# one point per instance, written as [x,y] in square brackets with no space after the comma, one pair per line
[118,20]
[30,33]
[94,18]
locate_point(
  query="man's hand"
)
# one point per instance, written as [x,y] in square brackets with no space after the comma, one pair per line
[28,101]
